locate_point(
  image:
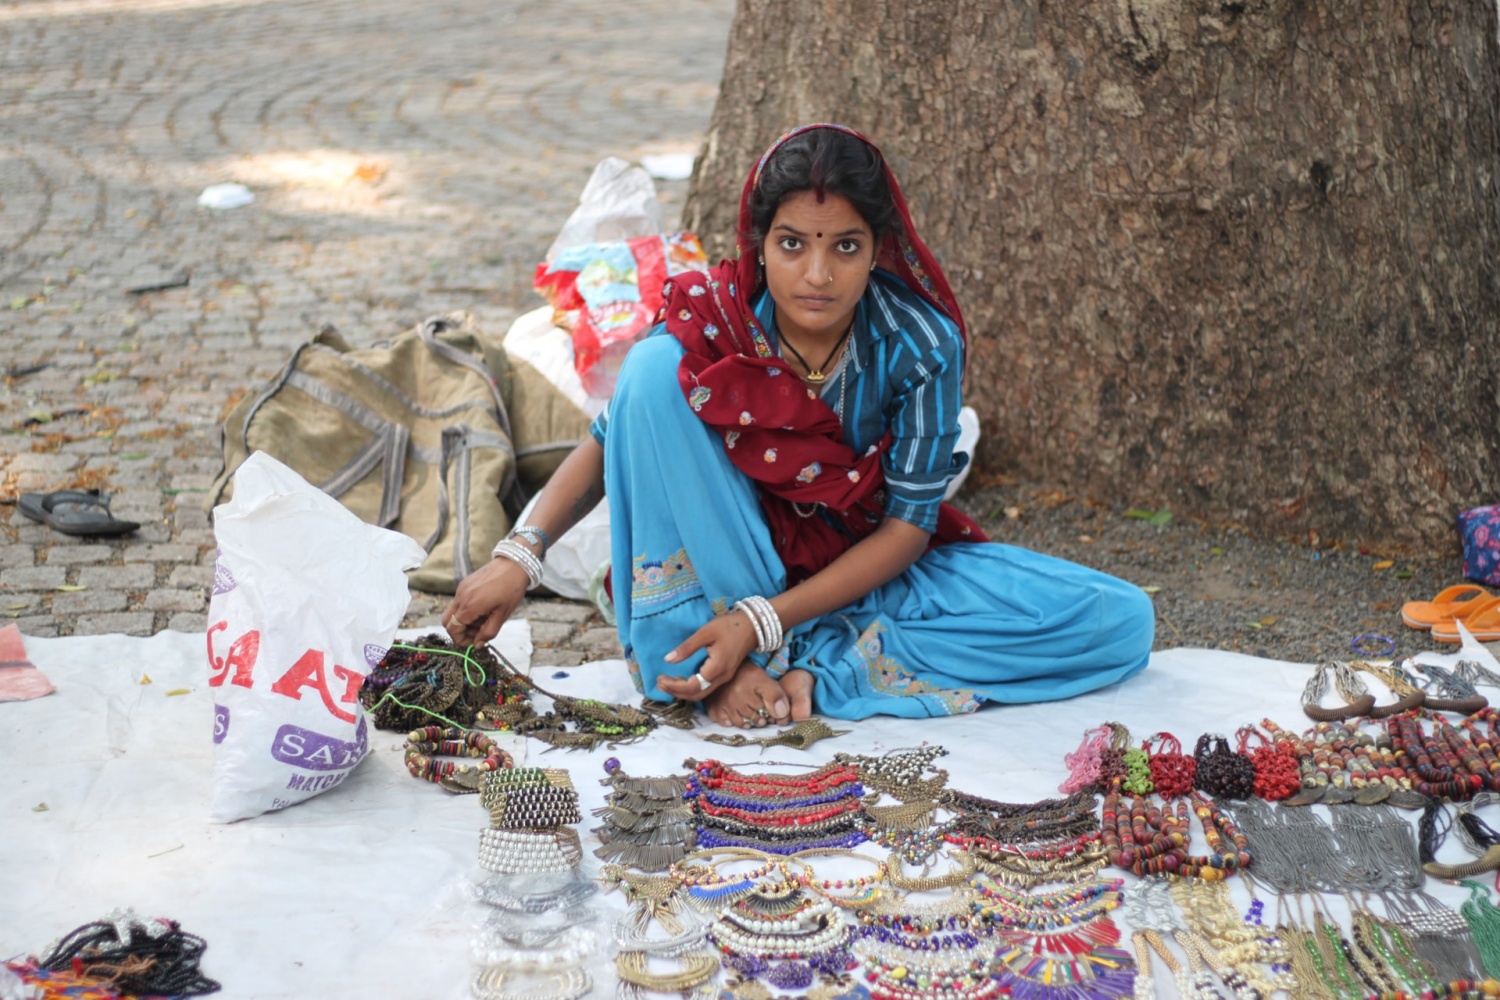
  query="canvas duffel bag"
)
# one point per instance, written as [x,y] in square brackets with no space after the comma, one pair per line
[437,435]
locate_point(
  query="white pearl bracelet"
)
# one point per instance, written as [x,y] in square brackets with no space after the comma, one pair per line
[509,548]
[767,622]
[513,852]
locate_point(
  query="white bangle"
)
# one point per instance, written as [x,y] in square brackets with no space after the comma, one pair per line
[509,548]
[768,631]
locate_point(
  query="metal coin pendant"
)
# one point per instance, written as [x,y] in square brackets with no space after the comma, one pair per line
[1405,798]
[1306,797]
[1372,794]
[463,782]
[1335,795]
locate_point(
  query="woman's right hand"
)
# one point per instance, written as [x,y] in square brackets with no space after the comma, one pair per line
[484,600]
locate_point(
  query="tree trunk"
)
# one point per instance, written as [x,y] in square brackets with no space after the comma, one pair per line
[1231,259]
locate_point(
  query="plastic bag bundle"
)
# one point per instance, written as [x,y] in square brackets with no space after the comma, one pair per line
[609,294]
[306,599]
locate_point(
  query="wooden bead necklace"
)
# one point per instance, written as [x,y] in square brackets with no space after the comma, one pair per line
[1220,771]
[425,744]
[1172,771]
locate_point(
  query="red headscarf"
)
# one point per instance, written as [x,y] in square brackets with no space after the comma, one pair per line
[777,430]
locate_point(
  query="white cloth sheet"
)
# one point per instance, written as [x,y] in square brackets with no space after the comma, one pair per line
[357,893]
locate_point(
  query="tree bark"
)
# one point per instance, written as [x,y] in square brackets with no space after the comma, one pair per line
[1231,259]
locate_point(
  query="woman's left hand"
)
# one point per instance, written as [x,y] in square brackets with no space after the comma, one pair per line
[729,639]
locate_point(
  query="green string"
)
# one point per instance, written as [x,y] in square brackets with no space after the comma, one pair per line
[468,661]
[391,696]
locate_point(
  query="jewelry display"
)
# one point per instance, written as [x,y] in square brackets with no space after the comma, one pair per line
[926,883]
[1045,957]
[1435,932]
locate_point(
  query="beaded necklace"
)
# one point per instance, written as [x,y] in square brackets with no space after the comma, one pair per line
[1235,948]
[1439,759]
[1098,759]
[1172,771]
[865,889]
[1275,767]
[782,814]
[1065,960]
[426,744]
[1221,772]
[783,936]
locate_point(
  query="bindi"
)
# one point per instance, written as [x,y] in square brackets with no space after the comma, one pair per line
[820,236]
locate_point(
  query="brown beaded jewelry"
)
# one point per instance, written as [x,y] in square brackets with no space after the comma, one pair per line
[428,742]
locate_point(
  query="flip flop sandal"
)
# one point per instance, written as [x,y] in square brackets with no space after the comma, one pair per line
[1458,601]
[1483,623]
[74,512]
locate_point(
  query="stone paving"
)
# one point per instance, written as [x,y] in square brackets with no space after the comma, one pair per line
[406,158]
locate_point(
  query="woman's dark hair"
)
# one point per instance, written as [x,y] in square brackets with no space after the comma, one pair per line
[824,161]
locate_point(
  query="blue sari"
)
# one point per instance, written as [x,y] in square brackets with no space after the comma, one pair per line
[970,622]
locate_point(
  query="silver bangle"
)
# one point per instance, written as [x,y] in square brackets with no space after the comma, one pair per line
[509,548]
[767,622]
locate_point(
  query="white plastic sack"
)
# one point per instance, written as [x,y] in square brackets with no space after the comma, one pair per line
[548,348]
[306,599]
[968,440]
[574,559]
[618,203]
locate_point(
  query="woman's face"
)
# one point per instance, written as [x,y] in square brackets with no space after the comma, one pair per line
[818,256]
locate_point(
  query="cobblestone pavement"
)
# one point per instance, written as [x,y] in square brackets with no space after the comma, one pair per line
[407,159]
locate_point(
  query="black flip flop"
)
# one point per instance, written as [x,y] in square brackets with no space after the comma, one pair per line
[74,512]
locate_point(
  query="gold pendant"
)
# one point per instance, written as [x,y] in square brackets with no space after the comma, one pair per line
[815,378]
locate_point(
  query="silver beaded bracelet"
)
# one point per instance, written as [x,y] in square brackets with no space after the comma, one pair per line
[767,622]
[509,548]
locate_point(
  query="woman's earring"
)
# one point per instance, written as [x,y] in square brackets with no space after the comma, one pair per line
[761,261]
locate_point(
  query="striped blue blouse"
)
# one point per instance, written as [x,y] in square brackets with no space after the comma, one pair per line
[901,373]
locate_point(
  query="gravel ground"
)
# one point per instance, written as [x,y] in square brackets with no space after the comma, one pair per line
[1223,587]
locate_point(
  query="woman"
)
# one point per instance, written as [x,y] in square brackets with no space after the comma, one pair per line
[775,457]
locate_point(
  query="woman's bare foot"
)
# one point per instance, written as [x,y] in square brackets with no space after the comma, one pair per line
[798,685]
[749,700]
